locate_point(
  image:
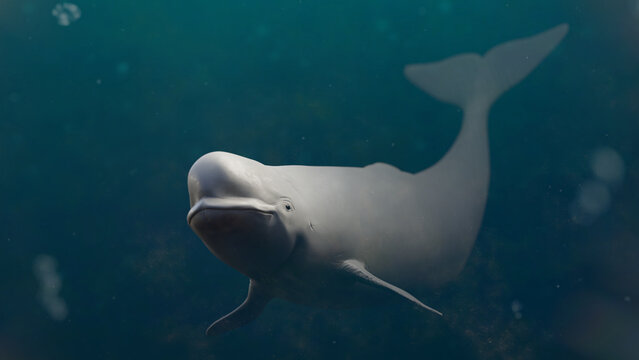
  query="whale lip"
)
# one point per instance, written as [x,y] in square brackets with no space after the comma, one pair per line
[231,203]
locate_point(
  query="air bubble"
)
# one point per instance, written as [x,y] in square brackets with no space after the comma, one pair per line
[44,268]
[516,307]
[594,197]
[66,13]
[608,166]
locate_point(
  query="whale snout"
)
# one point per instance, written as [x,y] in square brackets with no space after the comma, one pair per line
[220,175]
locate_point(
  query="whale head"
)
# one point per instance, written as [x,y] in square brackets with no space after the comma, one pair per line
[238,213]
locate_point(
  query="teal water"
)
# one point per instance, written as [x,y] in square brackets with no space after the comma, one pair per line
[101,118]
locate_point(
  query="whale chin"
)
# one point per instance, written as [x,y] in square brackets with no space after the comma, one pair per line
[251,241]
[213,225]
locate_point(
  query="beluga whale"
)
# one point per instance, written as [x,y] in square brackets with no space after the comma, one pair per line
[339,237]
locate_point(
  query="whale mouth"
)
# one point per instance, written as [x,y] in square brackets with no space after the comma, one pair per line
[230,204]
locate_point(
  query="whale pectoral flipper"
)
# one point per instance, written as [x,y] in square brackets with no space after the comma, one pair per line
[250,309]
[357,268]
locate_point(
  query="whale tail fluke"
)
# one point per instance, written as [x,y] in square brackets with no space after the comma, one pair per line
[471,79]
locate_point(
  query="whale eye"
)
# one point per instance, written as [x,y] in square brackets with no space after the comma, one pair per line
[288,206]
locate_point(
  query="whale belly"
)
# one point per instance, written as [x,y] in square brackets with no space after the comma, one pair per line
[425,243]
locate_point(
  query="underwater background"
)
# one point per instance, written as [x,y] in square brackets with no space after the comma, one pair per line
[104,106]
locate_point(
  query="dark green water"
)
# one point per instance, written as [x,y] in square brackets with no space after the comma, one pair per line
[100,121]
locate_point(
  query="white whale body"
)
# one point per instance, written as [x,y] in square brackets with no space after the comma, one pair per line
[345,236]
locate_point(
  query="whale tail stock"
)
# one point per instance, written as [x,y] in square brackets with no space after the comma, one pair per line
[472,80]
